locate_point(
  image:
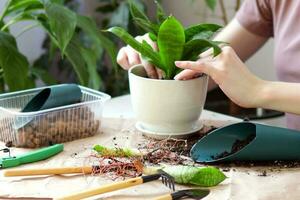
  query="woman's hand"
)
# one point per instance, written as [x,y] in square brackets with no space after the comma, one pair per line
[127,57]
[230,73]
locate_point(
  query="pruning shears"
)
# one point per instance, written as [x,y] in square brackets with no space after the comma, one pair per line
[34,156]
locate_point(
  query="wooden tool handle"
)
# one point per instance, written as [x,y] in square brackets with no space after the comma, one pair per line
[103,189]
[49,171]
[164,197]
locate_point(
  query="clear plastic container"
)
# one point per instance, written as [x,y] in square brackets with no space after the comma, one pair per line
[55,125]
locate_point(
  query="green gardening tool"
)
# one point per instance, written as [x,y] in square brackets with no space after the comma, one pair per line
[259,143]
[50,97]
[30,157]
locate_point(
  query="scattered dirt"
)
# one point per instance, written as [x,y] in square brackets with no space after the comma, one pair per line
[170,150]
[263,173]
[237,145]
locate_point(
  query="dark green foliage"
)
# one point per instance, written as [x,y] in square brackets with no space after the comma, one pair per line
[174,42]
[66,30]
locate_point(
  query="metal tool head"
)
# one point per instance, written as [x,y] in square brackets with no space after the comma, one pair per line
[3,160]
[167,180]
[191,193]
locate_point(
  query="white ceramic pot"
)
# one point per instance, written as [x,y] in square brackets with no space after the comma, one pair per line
[166,107]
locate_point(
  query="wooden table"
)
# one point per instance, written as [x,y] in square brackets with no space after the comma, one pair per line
[242,183]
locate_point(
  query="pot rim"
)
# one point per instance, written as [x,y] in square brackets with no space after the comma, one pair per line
[160,80]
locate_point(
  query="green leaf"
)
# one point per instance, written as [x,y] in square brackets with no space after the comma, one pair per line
[43,75]
[14,64]
[90,58]
[142,20]
[62,23]
[20,17]
[147,26]
[152,36]
[145,50]
[170,42]
[22,5]
[204,177]
[211,4]
[136,12]
[160,13]
[208,177]
[73,53]
[89,27]
[115,152]
[201,29]
[182,174]
[193,48]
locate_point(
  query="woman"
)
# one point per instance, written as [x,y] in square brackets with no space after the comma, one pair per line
[255,22]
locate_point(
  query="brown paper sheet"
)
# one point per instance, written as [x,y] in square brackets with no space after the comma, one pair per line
[242,183]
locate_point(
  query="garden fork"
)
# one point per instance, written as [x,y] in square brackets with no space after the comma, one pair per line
[166,180]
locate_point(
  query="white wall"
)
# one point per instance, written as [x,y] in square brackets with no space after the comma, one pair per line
[192,12]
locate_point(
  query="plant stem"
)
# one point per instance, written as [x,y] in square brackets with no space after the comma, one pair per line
[224,13]
[12,21]
[27,28]
[5,9]
[2,85]
[238,4]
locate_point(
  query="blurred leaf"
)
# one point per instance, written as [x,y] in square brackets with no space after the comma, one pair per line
[142,20]
[160,13]
[145,50]
[20,17]
[73,53]
[90,58]
[14,64]
[195,30]
[204,177]
[193,48]
[208,177]
[211,4]
[43,75]
[23,5]
[62,23]
[137,12]
[152,36]
[170,41]
[121,16]
[60,2]
[89,26]
[107,8]
[147,26]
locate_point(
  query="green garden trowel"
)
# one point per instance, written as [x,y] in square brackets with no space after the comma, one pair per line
[50,97]
[264,143]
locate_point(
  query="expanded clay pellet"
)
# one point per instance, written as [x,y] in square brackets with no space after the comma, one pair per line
[60,127]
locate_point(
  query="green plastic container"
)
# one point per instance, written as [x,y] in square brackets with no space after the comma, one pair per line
[270,143]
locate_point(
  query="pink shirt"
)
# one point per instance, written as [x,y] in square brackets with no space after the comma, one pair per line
[279,19]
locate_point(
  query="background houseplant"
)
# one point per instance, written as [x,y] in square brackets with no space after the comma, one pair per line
[64,28]
[55,67]
[106,13]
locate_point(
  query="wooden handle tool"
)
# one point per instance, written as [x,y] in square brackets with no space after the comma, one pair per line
[111,187]
[49,171]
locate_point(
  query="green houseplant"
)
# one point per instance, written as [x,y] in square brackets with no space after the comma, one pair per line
[112,13]
[168,107]
[64,28]
[174,42]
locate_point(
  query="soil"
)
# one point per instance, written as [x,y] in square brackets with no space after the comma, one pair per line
[237,145]
[182,148]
